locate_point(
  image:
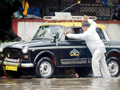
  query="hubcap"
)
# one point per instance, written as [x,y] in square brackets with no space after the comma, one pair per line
[45,68]
[113,67]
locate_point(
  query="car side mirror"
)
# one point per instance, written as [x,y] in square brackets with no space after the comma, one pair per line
[56,36]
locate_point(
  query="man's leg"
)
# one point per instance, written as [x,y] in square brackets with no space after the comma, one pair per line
[103,67]
[95,64]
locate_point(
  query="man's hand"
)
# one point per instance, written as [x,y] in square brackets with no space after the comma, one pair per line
[85,18]
[65,33]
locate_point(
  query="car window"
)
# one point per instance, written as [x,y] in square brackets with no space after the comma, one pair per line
[71,30]
[100,33]
[74,30]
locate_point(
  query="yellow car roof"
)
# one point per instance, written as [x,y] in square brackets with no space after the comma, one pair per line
[70,24]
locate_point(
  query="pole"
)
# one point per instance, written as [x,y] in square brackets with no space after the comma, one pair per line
[71,6]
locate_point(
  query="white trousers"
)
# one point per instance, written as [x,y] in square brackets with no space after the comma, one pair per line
[99,65]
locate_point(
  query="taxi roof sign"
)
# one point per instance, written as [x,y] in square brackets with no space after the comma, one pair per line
[63,14]
[66,16]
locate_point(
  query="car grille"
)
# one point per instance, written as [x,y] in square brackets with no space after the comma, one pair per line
[12,53]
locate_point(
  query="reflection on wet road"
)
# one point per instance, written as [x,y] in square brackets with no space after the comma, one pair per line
[60,84]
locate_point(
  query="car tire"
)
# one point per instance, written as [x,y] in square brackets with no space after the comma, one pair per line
[83,72]
[14,74]
[45,68]
[113,66]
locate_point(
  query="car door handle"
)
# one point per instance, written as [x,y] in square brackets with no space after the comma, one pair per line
[106,42]
[83,42]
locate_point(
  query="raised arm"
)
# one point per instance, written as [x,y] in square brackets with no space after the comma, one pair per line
[92,23]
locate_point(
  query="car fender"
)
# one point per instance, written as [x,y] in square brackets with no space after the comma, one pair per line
[112,50]
[45,52]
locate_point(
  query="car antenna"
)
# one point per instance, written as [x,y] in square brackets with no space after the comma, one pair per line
[45,17]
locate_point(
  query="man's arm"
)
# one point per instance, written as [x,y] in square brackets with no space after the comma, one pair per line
[82,36]
[93,23]
[90,21]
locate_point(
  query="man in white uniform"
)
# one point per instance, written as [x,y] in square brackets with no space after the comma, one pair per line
[95,45]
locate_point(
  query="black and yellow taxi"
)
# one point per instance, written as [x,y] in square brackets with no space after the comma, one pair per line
[49,50]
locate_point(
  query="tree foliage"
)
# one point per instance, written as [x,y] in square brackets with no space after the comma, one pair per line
[10,2]
[7,8]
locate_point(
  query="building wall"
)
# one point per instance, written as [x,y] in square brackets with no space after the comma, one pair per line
[113,30]
[26,30]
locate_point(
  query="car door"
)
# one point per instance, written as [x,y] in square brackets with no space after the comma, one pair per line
[73,52]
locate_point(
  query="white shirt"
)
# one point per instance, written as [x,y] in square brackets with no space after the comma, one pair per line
[91,38]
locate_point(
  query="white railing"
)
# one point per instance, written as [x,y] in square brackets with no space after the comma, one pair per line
[67,17]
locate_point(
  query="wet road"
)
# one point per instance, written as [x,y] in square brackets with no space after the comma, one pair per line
[60,84]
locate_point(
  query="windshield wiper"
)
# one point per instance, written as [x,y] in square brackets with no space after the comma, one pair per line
[38,38]
[48,38]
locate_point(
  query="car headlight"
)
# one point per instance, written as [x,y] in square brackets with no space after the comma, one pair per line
[25,49]
[1,48]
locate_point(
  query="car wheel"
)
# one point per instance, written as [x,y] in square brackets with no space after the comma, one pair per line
[44,68]
[83,72]
[14,74]
[113,66]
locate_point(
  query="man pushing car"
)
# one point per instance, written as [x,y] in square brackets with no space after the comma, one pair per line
[95,45]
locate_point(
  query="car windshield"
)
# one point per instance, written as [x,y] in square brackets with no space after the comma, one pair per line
[47,32]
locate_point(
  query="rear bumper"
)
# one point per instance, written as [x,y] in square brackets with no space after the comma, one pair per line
[24,65]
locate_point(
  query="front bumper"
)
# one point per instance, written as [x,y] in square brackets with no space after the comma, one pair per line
[24,65]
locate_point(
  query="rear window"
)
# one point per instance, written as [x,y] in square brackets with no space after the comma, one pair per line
[100,33]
